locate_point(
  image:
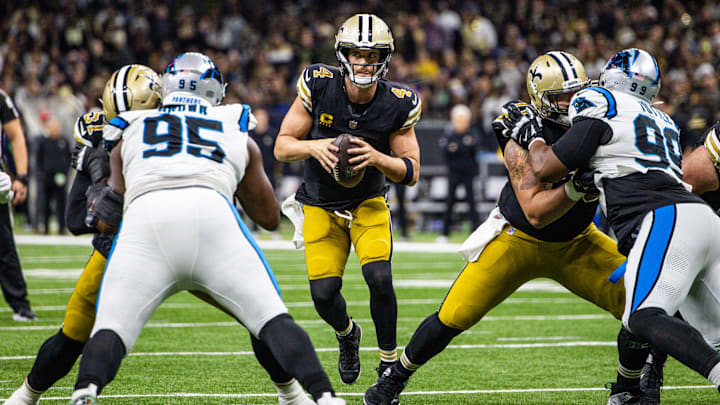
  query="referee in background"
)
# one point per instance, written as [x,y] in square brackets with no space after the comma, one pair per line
[11,278]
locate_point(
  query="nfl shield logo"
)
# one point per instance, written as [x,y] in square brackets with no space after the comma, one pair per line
[352,124]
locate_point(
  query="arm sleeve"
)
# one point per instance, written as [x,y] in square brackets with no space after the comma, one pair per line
[578,145]
[76,210]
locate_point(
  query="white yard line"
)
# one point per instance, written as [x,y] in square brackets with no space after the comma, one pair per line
[85,240]
[358,394]
[364,349]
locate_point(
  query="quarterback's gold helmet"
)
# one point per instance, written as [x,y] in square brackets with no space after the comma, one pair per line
[132,87]
[364,31]
[552,74]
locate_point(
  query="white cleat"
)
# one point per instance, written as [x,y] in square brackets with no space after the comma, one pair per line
[292,393]
[328,399]
[23,396]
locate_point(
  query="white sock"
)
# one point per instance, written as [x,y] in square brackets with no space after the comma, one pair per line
[26,394]
[289,388]
[714,376]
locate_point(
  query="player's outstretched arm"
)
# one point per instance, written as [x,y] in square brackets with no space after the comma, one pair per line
[545,164]
[255,192]
[290,145]
[541,203]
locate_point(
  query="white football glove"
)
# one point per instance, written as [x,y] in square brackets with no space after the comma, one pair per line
[6,193]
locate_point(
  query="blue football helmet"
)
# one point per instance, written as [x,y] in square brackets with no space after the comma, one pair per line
[190,76]
[632,71]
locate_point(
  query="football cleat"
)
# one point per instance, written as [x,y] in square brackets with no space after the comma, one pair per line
[84,396]
[386,389]
[651,380]
[620,395]
[349,360]
[328,399]
[380,370]
[24,315]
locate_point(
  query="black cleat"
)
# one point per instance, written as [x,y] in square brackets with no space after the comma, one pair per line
[384,365]
[386,389]
[621,395]
[651,380]
[349,361]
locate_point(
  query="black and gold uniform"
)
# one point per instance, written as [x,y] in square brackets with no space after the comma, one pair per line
[689,140]
[570,250]
[336,217]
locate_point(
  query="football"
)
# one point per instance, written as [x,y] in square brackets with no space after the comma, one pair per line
[343,172]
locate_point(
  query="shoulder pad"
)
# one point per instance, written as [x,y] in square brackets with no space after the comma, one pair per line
[88,129]
[241,113]
[593,102]
[309,78]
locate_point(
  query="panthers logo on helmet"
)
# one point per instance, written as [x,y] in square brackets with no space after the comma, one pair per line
[633,71]
[132,87]
[551,75]
[364,31]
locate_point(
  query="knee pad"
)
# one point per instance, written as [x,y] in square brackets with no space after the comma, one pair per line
[378,276]
[325,290]
[639,321]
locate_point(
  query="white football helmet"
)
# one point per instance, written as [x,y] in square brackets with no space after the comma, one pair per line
[192,77]
[632,71]
[364,31]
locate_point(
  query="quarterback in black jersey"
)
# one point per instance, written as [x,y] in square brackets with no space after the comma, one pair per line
[380,115]
[538,230]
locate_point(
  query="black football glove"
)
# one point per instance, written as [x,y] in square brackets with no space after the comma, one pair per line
[522,123]
[582,185]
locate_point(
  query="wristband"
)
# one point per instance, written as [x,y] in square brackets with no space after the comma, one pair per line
[409,171]
[571,193]
[22,178]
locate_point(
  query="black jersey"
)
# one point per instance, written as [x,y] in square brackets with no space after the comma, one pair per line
[564,228]
[690,140]
[321,89]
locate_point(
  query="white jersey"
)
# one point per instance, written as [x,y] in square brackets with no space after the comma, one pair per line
[643,137]
[182,146]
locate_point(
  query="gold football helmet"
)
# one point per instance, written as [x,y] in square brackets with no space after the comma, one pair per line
[132,87]
[553,74]
[364,31]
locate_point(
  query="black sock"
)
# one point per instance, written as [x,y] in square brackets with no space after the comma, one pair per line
[675,337]
[54,360]
[101,360]
[632,354]
[329,303]
[268,361]
[430,338]
[293,350]
[383,304]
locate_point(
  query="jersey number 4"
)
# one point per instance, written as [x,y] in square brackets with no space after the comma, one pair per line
[173,139]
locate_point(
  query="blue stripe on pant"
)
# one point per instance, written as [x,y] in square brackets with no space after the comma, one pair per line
[653,254]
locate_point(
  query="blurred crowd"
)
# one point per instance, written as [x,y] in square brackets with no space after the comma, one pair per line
[55,56]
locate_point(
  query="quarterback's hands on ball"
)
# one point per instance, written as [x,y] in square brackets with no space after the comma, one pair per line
[364,154]
[6,193]
[520,123]
[324,151]
[582,185]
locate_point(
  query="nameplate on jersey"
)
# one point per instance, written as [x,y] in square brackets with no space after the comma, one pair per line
[185,100]
[326,119]
[322,73]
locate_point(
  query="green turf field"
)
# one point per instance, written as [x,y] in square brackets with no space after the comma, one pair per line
[541,346]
